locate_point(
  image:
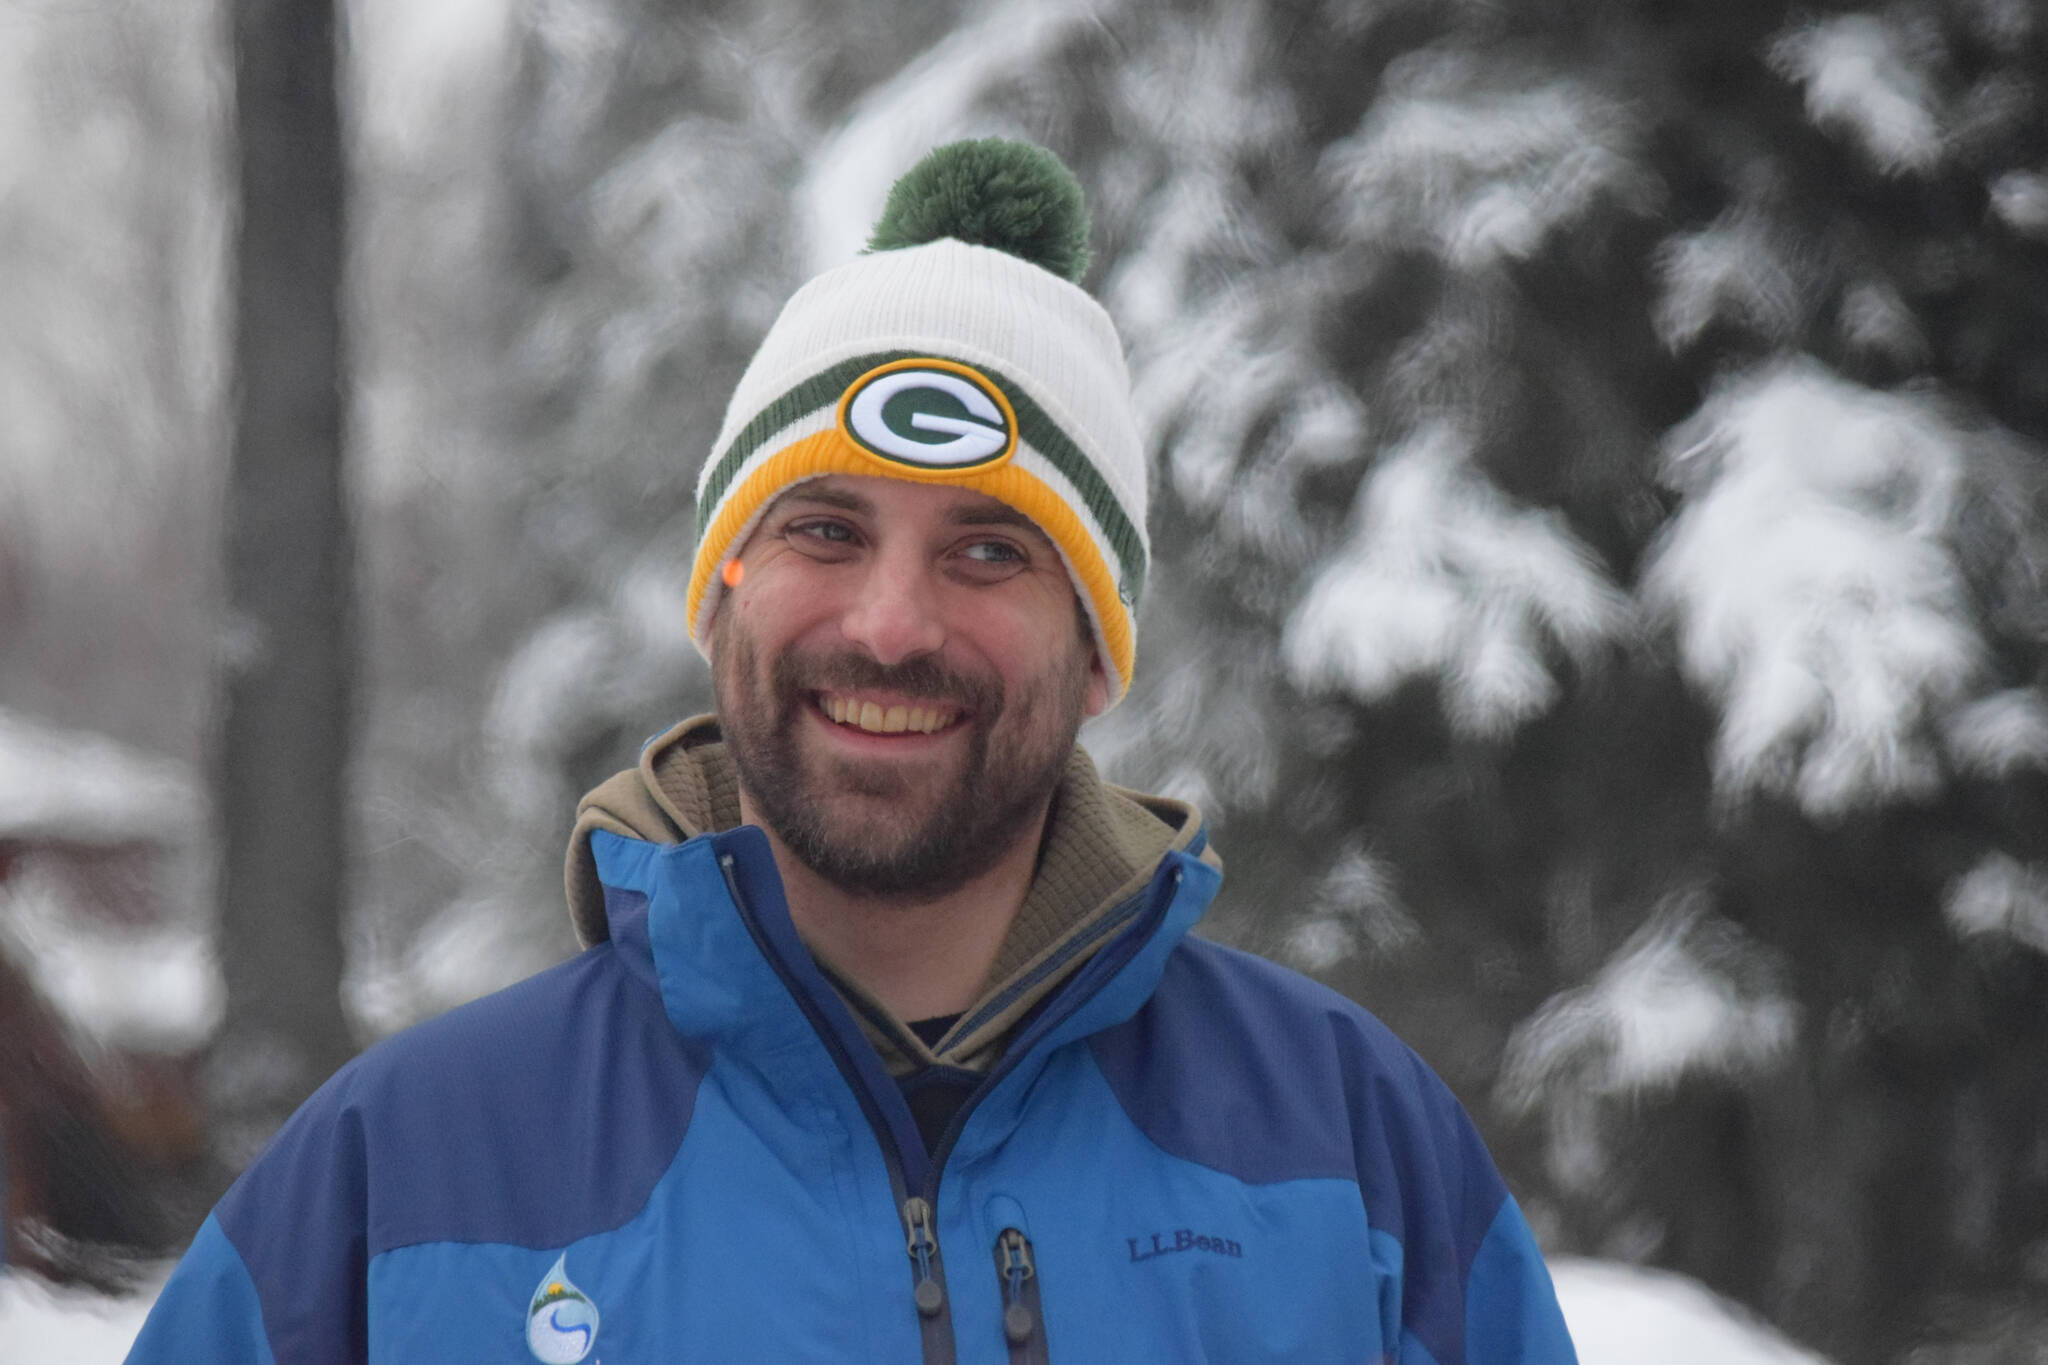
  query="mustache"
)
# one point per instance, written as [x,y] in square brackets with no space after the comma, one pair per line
[921,677]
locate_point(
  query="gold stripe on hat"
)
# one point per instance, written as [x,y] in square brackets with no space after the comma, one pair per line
[833,452]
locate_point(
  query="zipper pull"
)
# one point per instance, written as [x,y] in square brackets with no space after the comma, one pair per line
[923,1244]
[1013,1261]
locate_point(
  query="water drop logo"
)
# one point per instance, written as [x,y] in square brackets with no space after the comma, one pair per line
[561,1322]
[934,415]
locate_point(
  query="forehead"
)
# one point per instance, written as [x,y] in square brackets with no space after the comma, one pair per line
[887,503]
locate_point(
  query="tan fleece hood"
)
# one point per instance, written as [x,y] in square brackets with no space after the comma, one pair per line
[1102,845]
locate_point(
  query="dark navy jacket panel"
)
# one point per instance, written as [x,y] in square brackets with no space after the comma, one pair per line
[625,912]
[575,1087]
[565,1096]
[295,1220]
[1260,1073]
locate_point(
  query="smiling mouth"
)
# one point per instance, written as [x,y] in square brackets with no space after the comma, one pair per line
[877,719]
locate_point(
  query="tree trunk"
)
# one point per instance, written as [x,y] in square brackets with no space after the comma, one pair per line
[284,740]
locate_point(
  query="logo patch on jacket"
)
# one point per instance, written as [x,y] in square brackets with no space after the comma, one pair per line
[561,1322]
[934,415]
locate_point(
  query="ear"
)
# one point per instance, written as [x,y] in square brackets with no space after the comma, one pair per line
[1097,700]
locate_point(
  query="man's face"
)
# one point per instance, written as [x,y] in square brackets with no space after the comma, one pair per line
[900,678]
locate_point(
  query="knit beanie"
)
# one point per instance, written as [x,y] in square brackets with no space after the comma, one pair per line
[957,349]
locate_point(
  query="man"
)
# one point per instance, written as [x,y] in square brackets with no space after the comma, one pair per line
[891,1043]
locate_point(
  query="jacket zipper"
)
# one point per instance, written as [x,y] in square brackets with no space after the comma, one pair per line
[928,1291]
[1028,1290]
[928,1272]
[928,1281]
[920,1221]
[1023,1317]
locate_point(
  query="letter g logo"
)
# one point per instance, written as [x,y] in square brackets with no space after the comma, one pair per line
[929,414]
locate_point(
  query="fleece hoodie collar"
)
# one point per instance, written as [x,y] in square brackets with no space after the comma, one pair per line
[1102,847]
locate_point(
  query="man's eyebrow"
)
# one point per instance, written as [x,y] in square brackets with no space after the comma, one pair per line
[843,499]
[994,514]
[988,513]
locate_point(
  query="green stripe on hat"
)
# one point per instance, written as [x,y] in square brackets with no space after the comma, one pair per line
[1035,425]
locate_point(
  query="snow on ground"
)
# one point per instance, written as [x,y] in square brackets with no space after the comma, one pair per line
[1619,1315]
[70,1326]
[1626,1315]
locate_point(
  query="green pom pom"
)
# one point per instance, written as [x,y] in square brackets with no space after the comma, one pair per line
[1013,196]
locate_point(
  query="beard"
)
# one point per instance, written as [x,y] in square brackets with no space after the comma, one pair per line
[885,828]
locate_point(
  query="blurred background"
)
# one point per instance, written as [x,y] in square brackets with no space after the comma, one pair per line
[1600,596]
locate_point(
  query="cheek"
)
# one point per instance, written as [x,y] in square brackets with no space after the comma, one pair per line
[768,613]
[1050,666]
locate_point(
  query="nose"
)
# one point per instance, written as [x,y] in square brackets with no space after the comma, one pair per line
[895,614]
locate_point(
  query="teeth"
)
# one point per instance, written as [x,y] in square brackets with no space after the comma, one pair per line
[891,720]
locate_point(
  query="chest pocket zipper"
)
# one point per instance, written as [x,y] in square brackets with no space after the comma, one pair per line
[1023,1318]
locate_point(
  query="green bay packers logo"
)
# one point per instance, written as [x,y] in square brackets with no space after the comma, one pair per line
[933,415]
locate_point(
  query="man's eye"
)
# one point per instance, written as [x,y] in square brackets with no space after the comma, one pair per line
[994,552]
[837,533]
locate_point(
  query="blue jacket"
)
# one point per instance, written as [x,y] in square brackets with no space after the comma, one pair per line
[678,1145]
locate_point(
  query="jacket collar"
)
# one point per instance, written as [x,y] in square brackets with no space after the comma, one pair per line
[708,917]
[1102,850]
